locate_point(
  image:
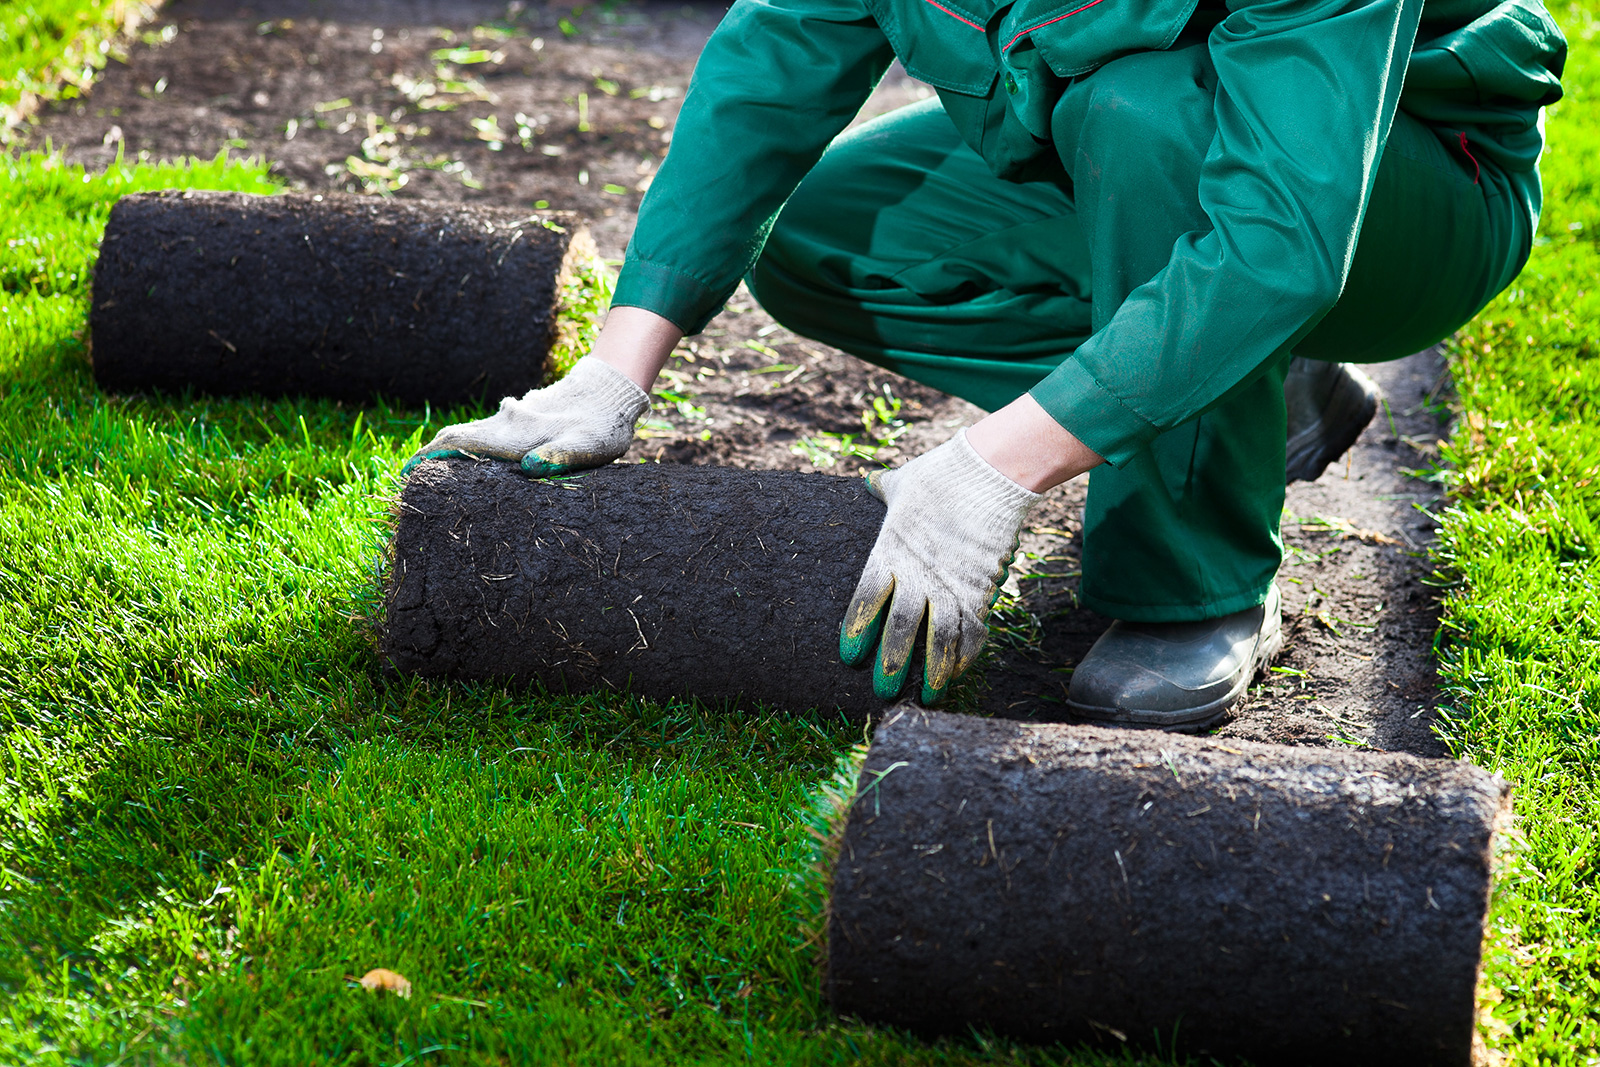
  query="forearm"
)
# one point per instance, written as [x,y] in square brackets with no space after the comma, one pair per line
[1025,444]
[778,80]
[637,343]
[1020,440]
[1284,186]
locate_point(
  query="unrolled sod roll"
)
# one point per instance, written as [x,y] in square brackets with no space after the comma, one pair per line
[1291,905]
[336,296]
[727,585]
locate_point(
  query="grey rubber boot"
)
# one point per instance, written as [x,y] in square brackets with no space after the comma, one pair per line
[1175,675]
[1329,405]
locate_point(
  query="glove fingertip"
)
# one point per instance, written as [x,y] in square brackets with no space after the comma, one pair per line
[855,650]
[437,453]
[888,686]
[939,670]
[538,467]
[863,619]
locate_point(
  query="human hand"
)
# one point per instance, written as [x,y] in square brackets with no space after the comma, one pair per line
[584,420]
[950,532]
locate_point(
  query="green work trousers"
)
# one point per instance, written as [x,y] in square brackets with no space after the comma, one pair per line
[902,248]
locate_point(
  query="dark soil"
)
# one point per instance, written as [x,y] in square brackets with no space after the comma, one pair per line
[342,296]
[1358,668]
[1306,906]
[726,585]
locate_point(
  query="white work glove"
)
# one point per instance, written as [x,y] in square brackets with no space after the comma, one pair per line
[951,531]
[584,420]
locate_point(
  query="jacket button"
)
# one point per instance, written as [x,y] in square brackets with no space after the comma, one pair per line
[1011,83]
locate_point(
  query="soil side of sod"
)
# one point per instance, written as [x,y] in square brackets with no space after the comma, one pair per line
[1358,667]
[1290,905]
[340,296]
[725,585]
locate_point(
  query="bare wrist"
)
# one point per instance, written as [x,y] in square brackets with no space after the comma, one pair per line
[1025,444]
[637,343]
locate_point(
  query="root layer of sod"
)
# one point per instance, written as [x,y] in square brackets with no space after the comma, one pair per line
[338,296]
[722,584]
[1052,882]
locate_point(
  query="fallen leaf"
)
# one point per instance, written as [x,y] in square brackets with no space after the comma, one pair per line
[380,978]
[1345,529]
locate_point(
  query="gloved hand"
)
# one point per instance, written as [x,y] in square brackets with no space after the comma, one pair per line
[584,420]
[951,531]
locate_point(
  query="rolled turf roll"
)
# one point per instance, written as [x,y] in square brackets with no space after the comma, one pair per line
[1050,882]
[336,296]
[669,581]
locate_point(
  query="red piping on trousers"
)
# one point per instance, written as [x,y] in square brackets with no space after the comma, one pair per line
[957,17]
[1023,33]
[1477,171]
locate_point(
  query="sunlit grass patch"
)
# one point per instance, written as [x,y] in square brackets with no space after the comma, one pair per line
[1521,638]
[53,49]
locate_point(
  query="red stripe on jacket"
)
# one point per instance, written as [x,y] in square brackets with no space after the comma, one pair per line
[957,17]
[1023,33]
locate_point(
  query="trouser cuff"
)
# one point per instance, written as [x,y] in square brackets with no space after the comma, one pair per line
[1177,612]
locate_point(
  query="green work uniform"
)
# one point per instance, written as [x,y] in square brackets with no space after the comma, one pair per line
[1134,211]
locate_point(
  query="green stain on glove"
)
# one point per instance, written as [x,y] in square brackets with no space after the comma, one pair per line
[863,623]
[888,678]
[939,664]
[438,453]
[536,466]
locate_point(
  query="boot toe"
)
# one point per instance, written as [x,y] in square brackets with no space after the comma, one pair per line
[1174,676]
[1113,689]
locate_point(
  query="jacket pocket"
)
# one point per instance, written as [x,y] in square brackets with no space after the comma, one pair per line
[941,42]
[1077,36]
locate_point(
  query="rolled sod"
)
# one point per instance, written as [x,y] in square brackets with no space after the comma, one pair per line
[336,296]
[1050,882]
[723,584]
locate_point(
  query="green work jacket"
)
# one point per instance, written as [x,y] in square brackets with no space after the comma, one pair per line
[1306,91]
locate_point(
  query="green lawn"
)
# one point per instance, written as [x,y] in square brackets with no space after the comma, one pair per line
[215,813]
[1521,638]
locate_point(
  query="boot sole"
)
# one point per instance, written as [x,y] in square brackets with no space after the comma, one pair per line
[1190,720]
